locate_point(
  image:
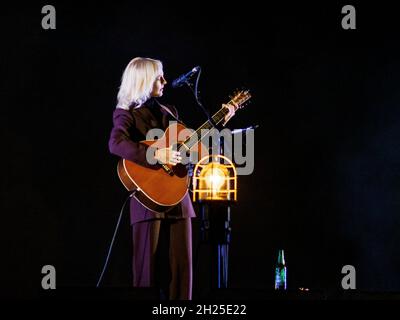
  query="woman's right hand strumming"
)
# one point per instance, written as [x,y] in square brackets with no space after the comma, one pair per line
[168,156]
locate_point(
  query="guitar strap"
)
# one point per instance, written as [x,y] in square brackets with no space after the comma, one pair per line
[170,112]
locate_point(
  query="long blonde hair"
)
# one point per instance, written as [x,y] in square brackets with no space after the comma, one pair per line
[137,81]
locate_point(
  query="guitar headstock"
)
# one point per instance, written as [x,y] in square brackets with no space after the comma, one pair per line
[240,98]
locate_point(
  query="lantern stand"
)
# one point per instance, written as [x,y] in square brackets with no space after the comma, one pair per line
[215,189]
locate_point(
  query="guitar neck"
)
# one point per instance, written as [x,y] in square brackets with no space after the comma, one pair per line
[216,118]
[202,131]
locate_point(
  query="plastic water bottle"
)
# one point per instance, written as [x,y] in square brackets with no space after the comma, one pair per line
[280,272]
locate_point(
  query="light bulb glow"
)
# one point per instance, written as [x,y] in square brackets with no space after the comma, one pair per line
[215,179]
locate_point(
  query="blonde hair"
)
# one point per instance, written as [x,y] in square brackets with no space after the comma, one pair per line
[137,81]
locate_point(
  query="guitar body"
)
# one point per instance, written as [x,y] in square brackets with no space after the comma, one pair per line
[156,189]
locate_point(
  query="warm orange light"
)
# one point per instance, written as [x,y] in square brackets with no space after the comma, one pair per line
[214,180]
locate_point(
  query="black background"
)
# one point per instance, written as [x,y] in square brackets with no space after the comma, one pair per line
[326,184]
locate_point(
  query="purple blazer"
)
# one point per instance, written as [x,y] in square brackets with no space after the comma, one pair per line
[130,127]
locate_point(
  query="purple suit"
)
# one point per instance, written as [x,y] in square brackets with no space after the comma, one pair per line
[130,127]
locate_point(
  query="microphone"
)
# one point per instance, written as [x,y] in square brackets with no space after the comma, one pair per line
[178,82]
[245,129]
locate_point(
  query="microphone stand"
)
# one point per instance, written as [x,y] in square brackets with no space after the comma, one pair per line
[222,243]
[195,92]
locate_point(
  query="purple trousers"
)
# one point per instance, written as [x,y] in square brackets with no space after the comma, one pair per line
[162,256]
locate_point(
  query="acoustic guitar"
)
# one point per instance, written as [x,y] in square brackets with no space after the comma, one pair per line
[160,187]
